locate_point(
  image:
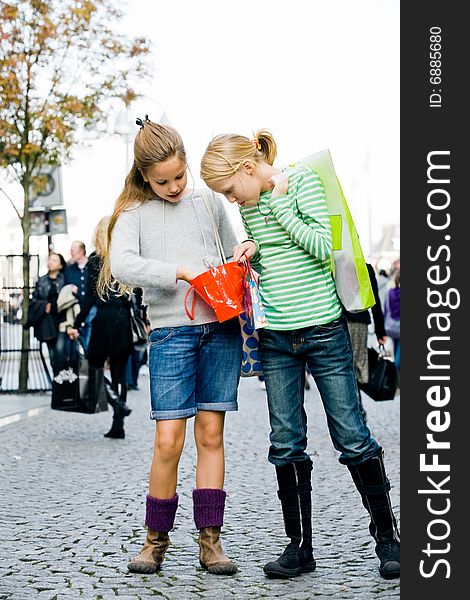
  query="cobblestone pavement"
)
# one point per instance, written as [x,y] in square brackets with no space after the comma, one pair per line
[72,510]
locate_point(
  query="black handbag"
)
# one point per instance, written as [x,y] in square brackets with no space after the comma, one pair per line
[138,327]
[382,384]
[72,385]
[46,330]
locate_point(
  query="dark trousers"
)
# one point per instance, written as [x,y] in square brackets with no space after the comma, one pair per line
[117,365]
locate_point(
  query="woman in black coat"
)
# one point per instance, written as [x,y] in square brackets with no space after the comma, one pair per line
[111,336]
[44,302]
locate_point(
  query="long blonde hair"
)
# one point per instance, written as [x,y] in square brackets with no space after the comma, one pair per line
[100,237]
[226,153]
[154,143]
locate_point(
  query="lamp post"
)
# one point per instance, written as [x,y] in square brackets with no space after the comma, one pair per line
[124,127]
[366,171]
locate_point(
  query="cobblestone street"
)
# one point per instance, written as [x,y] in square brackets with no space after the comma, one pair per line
[73,508]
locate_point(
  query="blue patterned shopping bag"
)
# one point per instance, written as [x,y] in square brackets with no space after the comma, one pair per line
[252,319]
[252,304]
[251,364]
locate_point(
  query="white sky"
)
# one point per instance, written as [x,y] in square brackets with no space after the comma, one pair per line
[317,74]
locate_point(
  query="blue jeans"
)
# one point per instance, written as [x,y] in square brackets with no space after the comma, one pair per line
[396,351]
[194,367]
[136,360]
[85,331]
[65,352]
[326,350]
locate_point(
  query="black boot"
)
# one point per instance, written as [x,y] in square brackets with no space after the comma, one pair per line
[373,485]
[97,398]
[295,487]
[120,409]
[117,395]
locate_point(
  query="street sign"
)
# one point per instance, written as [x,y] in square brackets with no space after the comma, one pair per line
[57,221]
[37,222]
[48,222]
[51,195]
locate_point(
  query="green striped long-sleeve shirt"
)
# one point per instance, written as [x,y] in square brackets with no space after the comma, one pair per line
[293,236]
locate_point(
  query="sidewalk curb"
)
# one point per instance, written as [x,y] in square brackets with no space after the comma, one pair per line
[20,416]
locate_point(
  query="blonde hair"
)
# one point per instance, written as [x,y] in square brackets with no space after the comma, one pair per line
[153,144]
[100,237]
[225,154]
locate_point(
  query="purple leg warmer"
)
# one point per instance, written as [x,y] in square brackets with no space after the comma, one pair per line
[160,513]
[208,507]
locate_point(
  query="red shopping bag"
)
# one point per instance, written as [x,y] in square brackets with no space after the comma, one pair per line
[222,288]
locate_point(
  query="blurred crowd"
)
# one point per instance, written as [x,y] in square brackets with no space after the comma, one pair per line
[67,311]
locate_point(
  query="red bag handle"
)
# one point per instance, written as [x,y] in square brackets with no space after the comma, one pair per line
[190,314]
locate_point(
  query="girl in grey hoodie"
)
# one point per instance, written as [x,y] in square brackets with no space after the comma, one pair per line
[160,238]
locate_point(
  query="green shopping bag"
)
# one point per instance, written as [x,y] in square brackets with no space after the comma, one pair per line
[348,264]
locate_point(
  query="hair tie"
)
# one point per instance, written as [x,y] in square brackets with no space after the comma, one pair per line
[256,143]
[141,122]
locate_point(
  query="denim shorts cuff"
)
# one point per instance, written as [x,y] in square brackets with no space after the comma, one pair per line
[218,406]
[165,415]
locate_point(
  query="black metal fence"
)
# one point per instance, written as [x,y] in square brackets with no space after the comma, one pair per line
[11,332]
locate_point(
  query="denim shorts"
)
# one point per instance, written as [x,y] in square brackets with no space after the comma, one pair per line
[194,367]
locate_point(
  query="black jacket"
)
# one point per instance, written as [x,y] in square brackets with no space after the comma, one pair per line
[42,295]
[111,328]
[43,286]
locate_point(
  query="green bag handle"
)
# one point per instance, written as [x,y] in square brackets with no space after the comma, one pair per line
[336,224]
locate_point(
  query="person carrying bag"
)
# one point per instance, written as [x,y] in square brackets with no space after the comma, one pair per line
[43,313]
[111,333]
[287,221]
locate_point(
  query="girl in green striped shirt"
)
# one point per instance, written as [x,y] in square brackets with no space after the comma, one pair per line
[289,242]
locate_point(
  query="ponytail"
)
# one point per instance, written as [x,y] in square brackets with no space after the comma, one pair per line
[226,153]
[266,145]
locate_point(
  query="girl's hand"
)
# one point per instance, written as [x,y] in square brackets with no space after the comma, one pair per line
[281,184]
[47,308]
[72,333]
[247,249]
[185,274]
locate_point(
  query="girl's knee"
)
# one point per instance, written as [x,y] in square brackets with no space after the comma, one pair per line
[209,439]
[168,446]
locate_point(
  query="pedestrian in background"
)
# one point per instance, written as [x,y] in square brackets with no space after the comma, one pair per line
[43,304]
[383,282]
[161,238]
[76,274]
[110,337]
[358,325]
[392,317]
[68,307]
[139,354]
[287,222]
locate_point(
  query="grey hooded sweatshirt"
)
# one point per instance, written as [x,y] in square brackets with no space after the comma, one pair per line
[151,240]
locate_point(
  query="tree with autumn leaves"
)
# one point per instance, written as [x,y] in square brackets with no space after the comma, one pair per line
[61,64]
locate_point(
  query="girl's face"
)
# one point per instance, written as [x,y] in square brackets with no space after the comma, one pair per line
[168,179]
[53,263]
[243,188]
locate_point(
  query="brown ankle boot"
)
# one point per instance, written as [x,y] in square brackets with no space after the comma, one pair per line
[152,554]
[211,555]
